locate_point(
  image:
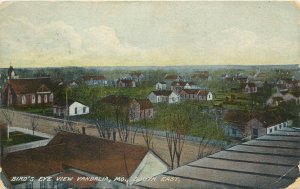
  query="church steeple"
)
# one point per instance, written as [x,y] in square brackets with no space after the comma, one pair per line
[11,74]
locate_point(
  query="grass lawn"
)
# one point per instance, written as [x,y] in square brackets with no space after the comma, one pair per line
[46,111]
[16,138]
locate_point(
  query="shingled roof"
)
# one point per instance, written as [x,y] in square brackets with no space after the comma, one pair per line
[91,154]
[144,104]
[30,85]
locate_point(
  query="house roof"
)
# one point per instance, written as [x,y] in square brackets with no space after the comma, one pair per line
[171,76]
[144,104]
[30,85]
[162,92]
[196,91]
[267,118]
[201,74]
[181,83]
[94,155]
[94,77]
[36,162]
[266,162]
[162,82]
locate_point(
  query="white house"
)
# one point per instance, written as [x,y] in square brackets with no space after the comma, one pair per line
[74,108]
[196,94]
[164,96]
[161,85]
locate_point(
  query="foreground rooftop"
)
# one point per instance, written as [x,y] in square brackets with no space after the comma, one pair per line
[267,162]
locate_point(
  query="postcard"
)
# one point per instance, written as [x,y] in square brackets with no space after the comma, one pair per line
[149,94]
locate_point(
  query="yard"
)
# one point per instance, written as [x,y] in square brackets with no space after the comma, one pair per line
[16,138]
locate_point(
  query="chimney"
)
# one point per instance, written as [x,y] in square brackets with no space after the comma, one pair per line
[83,130]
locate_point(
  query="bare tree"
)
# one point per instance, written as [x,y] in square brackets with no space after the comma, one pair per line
[177,125]
[105,128]
[147,132]
[67,126]
[103,123]
[34,124]
[9,117]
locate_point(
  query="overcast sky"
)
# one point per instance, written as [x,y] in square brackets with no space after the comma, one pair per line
[148,33]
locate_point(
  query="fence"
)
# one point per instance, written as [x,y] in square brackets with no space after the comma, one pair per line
[30,132]
[25,146]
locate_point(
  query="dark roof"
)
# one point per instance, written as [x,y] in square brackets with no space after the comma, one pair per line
[94,77]
[62,102]
[144,104]
[201,74]
[181,83]
[171,77]
[36,162]
[266,162]
[94,155]
[196,91]
[162,82]
[162,93]
[30,85]
[267,118]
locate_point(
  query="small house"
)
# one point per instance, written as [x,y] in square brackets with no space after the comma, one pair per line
[74,108]
[249,88]
[196,94]
[95,80]
[167,96]
[126,83]
[136,109]
[161,85]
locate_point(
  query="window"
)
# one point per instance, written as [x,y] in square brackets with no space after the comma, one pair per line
[270,130]
[39,99]
[51,97]
[280,126]
[275,128]
[23,99]
[76,110]
[45,98]
[32,99]
[84,109]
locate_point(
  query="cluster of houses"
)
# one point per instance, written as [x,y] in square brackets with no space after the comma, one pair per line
[39,91]
[174,90]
